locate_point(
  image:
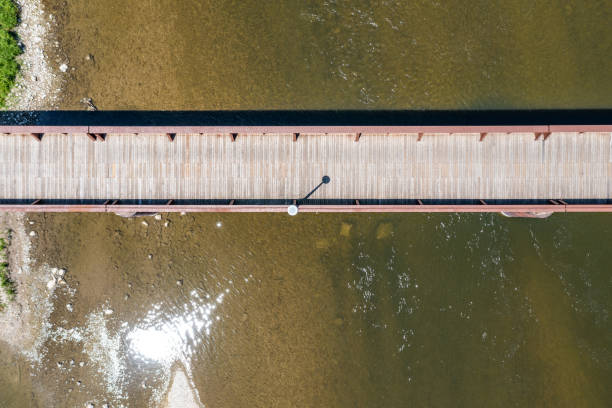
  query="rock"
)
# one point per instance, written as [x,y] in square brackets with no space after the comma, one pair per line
[166,223]
[89,103]
[108,312]
[90,405]
[146,224]
[71,363]
[158,217]
[61,272]
[89,57]
[81,364]
[63,67]
[32,233]
[79,383]
[53,271]
[384,230]
[345,229]
[179,282]
[105,406]
[219,224]
[60,364]
[51,284]
[183,213]
[126,297]
[61,281]
[150,256]
[69,307]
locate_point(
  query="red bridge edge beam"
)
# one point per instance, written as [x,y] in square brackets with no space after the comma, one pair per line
[303,129]
[451,208]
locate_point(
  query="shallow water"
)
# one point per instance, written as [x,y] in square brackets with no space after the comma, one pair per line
[249,54]
[325,310]
[328,310]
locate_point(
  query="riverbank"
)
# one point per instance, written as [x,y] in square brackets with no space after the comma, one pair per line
[39,83]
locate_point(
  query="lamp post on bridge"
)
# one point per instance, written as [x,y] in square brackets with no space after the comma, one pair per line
[293,209]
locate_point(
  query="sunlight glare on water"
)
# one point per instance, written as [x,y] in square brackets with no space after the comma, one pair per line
[167,338]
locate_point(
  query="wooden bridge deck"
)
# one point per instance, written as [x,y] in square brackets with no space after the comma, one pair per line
[274,166]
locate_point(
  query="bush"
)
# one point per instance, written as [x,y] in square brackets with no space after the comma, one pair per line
[8,14]
[8,48]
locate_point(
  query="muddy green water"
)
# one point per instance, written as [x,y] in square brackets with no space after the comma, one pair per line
[322,310]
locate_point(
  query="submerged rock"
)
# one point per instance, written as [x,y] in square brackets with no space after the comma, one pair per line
[384,230]
[345,229]
[322,244]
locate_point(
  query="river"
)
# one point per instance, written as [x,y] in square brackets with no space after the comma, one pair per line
[350,310]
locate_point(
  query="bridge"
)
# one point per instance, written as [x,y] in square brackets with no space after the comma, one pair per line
[440,163]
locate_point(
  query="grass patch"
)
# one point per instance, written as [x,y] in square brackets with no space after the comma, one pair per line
[9,49]
[5,280]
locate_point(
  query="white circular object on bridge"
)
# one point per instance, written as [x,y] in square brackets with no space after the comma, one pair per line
[292,210]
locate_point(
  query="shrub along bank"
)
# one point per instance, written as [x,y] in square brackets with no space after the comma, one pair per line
[9,49]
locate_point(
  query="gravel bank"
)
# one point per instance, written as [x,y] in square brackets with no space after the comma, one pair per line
[39,83]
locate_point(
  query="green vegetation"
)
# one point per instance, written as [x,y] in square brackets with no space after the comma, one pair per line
[8,48]
[5,281]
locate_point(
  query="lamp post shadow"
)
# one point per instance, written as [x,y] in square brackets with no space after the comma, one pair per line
[293,209]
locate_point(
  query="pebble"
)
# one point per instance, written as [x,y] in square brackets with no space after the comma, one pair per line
[90,405]
[150,256]
[61,281]
[61,272]
[108,312]
[166,224]
[32,233]
[126,297]
[179,282]
[63,68]
[81,364]
[79,383]
[158,217]
[183,213]
[70,309]
[146,224]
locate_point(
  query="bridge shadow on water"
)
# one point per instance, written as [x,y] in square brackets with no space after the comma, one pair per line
[308,118]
